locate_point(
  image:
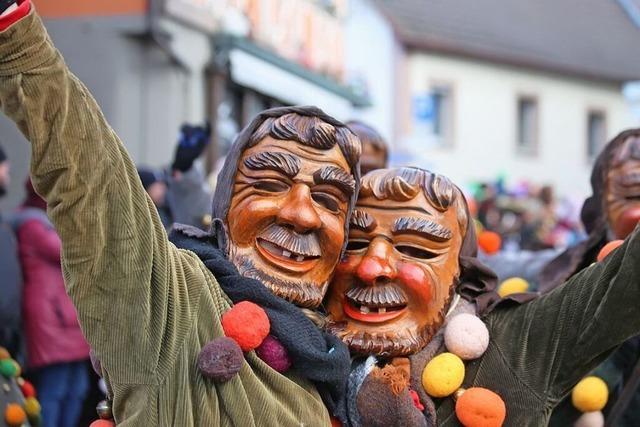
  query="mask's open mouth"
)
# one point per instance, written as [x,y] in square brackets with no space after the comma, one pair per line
[284,258]
[372,313]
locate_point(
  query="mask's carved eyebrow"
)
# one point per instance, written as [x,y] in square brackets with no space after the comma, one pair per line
[285,163]
[362,220]
[427,228]
[334,175]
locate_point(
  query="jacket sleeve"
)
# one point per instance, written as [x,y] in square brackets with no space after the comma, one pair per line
[120,270]
[553,342]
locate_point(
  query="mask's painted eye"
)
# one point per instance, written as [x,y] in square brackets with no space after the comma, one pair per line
[327,201]
[357,245]
[415,252]
[270,186]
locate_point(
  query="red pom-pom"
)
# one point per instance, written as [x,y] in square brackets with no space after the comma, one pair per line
[416,400]
[274,354]
[28,390]
[608,248]
[490,242]
[220,359]
[102,423]
[247,324]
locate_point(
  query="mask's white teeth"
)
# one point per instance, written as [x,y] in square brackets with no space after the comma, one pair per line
[382,310]
[286,254]
[364,309]
[300,258]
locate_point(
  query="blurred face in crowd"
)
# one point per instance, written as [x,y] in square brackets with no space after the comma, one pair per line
[391,292]
[4,177]
[158,191]
[373,157]
[287,217]
[622,192]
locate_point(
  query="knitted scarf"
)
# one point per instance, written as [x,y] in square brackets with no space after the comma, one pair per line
[316,355]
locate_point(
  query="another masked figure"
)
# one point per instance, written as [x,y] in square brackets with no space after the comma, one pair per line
[411,252]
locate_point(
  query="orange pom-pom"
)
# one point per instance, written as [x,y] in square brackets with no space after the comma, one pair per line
[490,242]
[608,248]
[102,423]
[247,324]
[14,415]
[4,354]
[479,407]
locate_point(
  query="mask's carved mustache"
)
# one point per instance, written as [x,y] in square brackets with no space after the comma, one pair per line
[301,244]
[388,295]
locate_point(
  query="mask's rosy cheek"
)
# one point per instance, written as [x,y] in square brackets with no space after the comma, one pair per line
[416,279]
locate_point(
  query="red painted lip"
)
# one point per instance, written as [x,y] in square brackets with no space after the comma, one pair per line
[356,314]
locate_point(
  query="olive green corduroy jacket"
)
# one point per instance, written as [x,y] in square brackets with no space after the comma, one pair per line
[146,307]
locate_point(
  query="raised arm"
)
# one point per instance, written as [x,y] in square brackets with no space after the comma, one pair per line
[116,258]
[568,332]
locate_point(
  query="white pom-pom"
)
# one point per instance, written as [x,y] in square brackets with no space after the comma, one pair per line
[466,336]
[590,419]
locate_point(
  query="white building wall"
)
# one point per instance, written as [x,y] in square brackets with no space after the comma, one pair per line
[370,56]
[485,122]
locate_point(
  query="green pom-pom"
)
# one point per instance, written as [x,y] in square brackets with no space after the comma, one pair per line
[8,368]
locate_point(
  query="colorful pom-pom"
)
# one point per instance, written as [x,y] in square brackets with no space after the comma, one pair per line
[9,368]
[590,394]
[32,407]
[247,324]
[443,375]
[220,359]
[513,285]
[14,415]
[274,354]
[608,248]
[102,423]
[4,353]
[490,242]
[479,407]
[466,336]
[416,400]
[590,419]
[28,390]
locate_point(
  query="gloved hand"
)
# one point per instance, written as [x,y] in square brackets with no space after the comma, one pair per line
[191,144]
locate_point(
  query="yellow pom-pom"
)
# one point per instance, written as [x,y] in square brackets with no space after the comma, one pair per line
[590,394]
[32,407]
[513,285]
[443,375]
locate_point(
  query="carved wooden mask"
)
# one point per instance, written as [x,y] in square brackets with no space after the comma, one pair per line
[391,292]
[290,202]
[622,193]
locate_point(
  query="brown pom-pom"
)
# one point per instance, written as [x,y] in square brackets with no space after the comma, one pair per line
[220,359]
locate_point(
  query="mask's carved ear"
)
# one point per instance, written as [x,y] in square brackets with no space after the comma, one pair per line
[219,230]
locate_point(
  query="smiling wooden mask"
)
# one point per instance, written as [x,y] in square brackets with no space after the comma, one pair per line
[394,286]
[292,196]
[622,191]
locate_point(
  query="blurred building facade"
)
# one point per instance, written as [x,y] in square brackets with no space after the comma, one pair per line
[526,90]
[153,64]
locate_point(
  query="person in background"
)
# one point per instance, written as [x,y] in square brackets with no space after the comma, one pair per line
[11,277]
[56,349]
[181,195]
[375,152]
